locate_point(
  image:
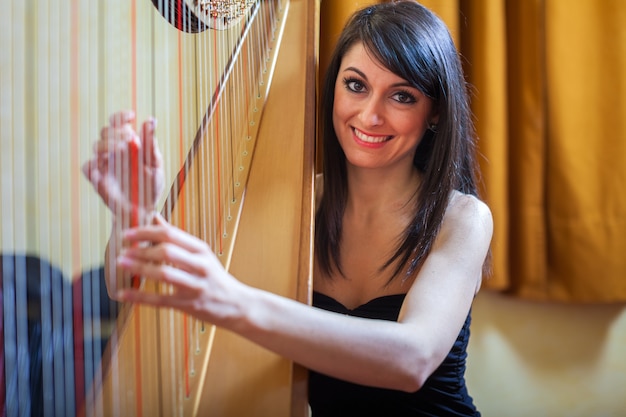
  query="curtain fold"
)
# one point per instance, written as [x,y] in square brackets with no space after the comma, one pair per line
[586,150]
[486,69]
[548,85]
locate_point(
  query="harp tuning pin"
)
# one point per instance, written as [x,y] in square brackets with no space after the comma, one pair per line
[221,14]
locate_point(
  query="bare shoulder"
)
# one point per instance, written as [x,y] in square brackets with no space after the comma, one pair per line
[452,273]
[463,243]
[466,214]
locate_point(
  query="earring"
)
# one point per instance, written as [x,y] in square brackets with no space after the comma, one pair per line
[432,127]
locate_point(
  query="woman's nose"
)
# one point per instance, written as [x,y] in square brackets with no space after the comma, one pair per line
[372,113]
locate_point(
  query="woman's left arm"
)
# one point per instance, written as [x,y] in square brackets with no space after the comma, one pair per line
[397,355]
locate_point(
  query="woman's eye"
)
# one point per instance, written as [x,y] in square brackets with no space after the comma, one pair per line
[354,85]
[404,97]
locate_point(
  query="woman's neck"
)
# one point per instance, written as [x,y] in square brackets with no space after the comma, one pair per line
[376,191]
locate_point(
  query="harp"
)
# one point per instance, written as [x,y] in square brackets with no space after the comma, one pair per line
[234,92]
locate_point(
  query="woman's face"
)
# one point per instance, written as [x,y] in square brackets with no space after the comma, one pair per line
[379,117]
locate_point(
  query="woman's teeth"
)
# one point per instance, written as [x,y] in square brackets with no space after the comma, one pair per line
[370,139]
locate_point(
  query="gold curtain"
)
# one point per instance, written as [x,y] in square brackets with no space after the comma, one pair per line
[548,84]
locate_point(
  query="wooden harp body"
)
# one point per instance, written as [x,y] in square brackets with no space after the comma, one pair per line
[157,362]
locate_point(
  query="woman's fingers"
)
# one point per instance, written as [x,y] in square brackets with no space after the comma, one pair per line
[162,232]
[159,271]
[90,170]
[115,139]
[119,131]
[125,132]
[121,118]
[152,249]
[194,281]
[152,154]
[95,172]
[149,298]
[166,253]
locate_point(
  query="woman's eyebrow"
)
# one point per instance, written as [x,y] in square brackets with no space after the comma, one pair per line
[402,83]
[357,71]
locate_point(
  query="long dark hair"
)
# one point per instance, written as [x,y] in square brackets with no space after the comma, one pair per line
[413,43]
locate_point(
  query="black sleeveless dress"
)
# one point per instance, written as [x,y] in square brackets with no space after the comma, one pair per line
[443,394]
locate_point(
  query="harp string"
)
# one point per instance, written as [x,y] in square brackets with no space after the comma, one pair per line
[221,171]
[222,135]
[72,62]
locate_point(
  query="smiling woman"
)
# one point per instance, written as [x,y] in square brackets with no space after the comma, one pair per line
[401,236]
[554,172]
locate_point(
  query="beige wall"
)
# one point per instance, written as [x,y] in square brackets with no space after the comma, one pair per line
[550,360]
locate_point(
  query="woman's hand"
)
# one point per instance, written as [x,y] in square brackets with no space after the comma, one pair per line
[197,282]
[127,169]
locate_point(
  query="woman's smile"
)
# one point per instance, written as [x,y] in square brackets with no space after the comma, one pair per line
[368,139]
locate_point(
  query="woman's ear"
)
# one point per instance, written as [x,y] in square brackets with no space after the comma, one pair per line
[433,121]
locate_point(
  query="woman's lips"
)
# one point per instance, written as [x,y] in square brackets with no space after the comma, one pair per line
[370,139]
